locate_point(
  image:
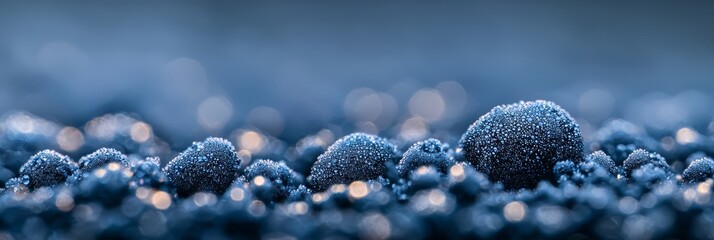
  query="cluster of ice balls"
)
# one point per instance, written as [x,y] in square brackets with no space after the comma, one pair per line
[523,145]
[517,145]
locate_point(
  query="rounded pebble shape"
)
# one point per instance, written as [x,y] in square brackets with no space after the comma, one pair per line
[650,174]
[519,144]
[211,165]
[602,159]
[357,156]
[47,168]
[619,138]
[279,174]
[430,152]
[147,173]
[102,157]
[640,158]
[700,170]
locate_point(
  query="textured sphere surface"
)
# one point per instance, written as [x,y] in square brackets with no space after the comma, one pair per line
[211,165]
[640,157]
[102,157]
[283,179]
[604,161]
[430,152]
[47,168]
[700,170]
[519,144]
[357,156]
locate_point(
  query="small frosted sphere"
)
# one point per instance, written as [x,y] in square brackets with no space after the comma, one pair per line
[650,174]
[357,156]
[602,159]
[430,152]
[147,173]
[618,138]
[301,193]
[211,165]
[700,170]
[282,178]
[102,157]
[640,158]
[519,144]
[47,168]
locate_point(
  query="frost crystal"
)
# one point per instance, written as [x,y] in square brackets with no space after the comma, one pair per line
[602,159]
[700,170]
[211,165]
[519,144]
[102,157]
[47,168]
[148,173]
[357,156]
[429,152]
[283,179]
[618,138]
[639,158]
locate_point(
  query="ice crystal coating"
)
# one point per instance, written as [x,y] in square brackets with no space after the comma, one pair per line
[47,168]
[147,173]
[585,172]
[519,144]
[618,138]
[639,158]
[358,156]
[700,170]
[651,174]
[564,168]
[430,152]
[602,159]
[211,165]
[102,157]
[283,179]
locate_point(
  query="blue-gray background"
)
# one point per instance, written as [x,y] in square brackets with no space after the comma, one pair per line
[72,61]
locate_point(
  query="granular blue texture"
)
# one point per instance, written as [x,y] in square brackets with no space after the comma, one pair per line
[602,159]
[147,173]
[588,198]
[650,174]
[699,170]
[640,158]
[357,156]
[618,138]
[102,157]
[430,152]
[211,166]
[519,144]
[47,168]
[283,179]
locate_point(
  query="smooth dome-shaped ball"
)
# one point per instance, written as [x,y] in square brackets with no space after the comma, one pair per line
[47,168]
[700,170]
[430,152]
[357,156]
[102,157]
[519,144]
[211,165]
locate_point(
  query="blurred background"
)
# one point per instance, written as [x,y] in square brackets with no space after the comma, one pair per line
[80,73]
